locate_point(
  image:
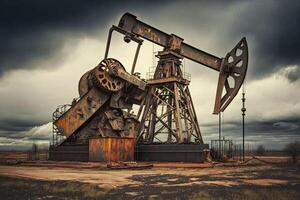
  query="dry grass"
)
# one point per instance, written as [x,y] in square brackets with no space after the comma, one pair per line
[15,188]
[248,194]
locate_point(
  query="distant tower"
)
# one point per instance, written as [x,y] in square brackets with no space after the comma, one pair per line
[243,114]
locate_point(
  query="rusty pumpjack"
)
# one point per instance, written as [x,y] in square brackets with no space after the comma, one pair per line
[165,127]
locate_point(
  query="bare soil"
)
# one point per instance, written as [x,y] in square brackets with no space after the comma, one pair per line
[275,179]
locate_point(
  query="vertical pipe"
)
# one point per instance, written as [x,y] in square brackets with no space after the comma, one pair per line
[243,115]
[243,137]
[135,57]
[219,134]
[108,42]
[53,129]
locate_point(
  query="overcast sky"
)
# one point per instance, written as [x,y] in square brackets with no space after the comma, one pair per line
[47,45]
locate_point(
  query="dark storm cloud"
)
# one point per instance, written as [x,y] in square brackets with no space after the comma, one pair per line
[281,130]
[37,29]
[18,124]
[292,73]
[27,132]
[273,30]
[272,134]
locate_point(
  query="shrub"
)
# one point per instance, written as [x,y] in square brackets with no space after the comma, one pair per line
[293,150]
[260,150]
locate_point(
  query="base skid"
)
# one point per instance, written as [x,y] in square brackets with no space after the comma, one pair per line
[171,152]
[69,153]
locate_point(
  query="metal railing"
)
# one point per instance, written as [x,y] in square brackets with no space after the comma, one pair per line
[150,75]
[57,137]
[224,149]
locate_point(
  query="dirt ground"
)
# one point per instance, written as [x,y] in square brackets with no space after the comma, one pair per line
[275,179]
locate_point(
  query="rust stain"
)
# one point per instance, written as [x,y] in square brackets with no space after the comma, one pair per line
[107,149]
[81,112]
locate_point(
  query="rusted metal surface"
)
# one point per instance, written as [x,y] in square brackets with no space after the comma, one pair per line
[79,113]
[84,84]
[131,79]
[166,113]
[168,80]
[105,92]
[130,24]
[102,75]
[128,165]
[234,66]
[105,149]
[107,123]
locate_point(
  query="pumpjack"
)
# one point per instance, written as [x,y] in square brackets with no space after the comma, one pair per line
[165,126]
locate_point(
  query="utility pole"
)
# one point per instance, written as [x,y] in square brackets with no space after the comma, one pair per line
[243,114]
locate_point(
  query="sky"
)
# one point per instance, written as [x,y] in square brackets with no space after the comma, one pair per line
[46,46]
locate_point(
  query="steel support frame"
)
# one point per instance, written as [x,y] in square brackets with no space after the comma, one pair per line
[168,108]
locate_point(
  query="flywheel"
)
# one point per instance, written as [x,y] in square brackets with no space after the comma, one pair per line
[104,75]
